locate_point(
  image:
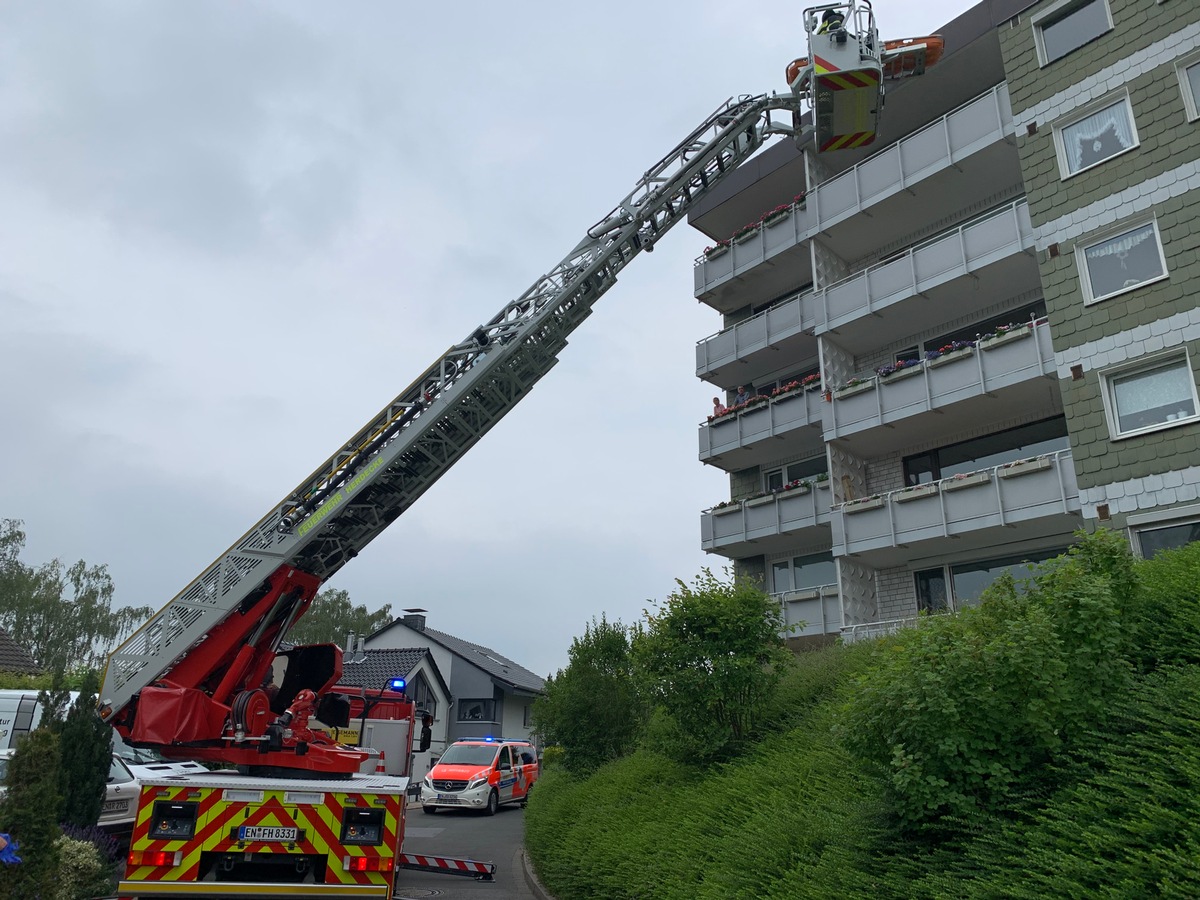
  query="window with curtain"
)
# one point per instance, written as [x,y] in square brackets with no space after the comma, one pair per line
[1121,263]
[1089,141]
[1158,394]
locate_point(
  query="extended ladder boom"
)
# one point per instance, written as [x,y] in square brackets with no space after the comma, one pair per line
[398,455]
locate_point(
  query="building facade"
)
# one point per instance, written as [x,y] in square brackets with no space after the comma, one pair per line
[975,337]
[490,695]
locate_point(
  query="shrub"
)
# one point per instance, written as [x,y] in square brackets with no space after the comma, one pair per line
[83,872]
[27,813]
[1164,622]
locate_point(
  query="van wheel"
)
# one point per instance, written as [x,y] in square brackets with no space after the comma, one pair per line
[493,804]
[429,810]
[525,799]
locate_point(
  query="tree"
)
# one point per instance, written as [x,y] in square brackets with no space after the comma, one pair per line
[592,708]
[85,742]
[711,657]
[27,814]
[331,617]
[62,614]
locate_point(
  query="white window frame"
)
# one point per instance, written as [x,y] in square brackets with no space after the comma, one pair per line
[1191,103]
[1155,520]
[1081,248]
[1145,364]
[1058,11]
[1060,147]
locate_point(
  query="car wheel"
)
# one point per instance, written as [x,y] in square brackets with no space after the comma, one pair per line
[525,799]
[493,804]
[429,810]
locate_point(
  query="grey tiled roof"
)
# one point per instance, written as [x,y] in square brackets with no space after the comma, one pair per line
[380,666]
[499,667]
[15,658]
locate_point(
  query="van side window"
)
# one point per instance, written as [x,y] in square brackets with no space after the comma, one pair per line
[505,758]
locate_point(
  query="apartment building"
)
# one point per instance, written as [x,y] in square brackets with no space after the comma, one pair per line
[974,337]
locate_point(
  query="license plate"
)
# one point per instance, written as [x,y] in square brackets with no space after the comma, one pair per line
[447,798]
[266,833]
[115,806]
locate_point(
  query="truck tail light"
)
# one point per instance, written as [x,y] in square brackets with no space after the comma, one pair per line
[156,858]
[368,863]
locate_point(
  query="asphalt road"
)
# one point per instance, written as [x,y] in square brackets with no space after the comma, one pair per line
[468,835]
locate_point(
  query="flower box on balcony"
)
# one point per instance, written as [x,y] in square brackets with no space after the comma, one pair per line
[775,218]
[1024,467]
[823,485]
[787,395]
[714,252]
[916,492]
[760,501]
[795,491]
[1003,337]
[743,236]
[802,594]
[850,390]
[958,482]
[899,374]
[857,506]
[952,356]
[722,510]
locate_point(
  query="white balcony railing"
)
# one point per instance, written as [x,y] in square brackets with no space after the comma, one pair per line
[783,414]
[951,255]
[989,498]
[1006,360]
[943,143]
[817,610]
[869,630]
[763,517]
[783,320]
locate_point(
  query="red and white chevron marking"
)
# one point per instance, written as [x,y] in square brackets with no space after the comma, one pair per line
[447,865]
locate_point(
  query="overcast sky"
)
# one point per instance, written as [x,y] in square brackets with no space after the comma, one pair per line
[231,232]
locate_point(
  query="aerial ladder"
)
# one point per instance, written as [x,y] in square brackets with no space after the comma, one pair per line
[187,683]
[842,79]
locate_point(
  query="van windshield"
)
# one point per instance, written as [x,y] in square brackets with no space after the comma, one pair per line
[469,754]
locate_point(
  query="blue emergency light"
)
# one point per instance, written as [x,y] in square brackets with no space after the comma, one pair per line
[397,684]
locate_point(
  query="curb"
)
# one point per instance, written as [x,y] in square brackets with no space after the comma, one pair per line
[531,879]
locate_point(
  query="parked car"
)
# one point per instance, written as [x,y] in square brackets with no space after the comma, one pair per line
[119,809]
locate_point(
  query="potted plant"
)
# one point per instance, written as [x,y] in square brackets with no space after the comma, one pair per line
[822,480]
[1005,333]
[852,387]
[783,390]
[718,249]
[799,200]
[745,232]
[891,371]
[949,353]
[799,486]
[862,505]
[965,480]
[811,382]
[726,506]
[778,214]
[915,492]
[1024,466]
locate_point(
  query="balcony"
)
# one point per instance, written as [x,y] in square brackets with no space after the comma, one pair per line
[954,158]
[817,609]
[1013,371]
[753,347]
[966,269]
[754,436]
[763,525]
[964,513]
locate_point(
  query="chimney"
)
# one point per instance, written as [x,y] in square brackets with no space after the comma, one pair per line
[350,643]
[415,618]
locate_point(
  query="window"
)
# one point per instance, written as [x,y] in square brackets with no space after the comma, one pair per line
[774,479]
[1188,70]
[1150,395]
[477,710]
[422,694]
[1095,136]
[1152,541]
[955,586]
[1121,262]
[1067,26]
[804,572]
[1046,436]
[527,716]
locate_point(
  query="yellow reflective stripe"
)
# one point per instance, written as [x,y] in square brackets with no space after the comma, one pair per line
[242,889]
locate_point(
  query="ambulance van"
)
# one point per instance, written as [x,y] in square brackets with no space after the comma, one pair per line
[482,774]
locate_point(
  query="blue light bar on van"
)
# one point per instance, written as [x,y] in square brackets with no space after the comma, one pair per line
[397,684]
